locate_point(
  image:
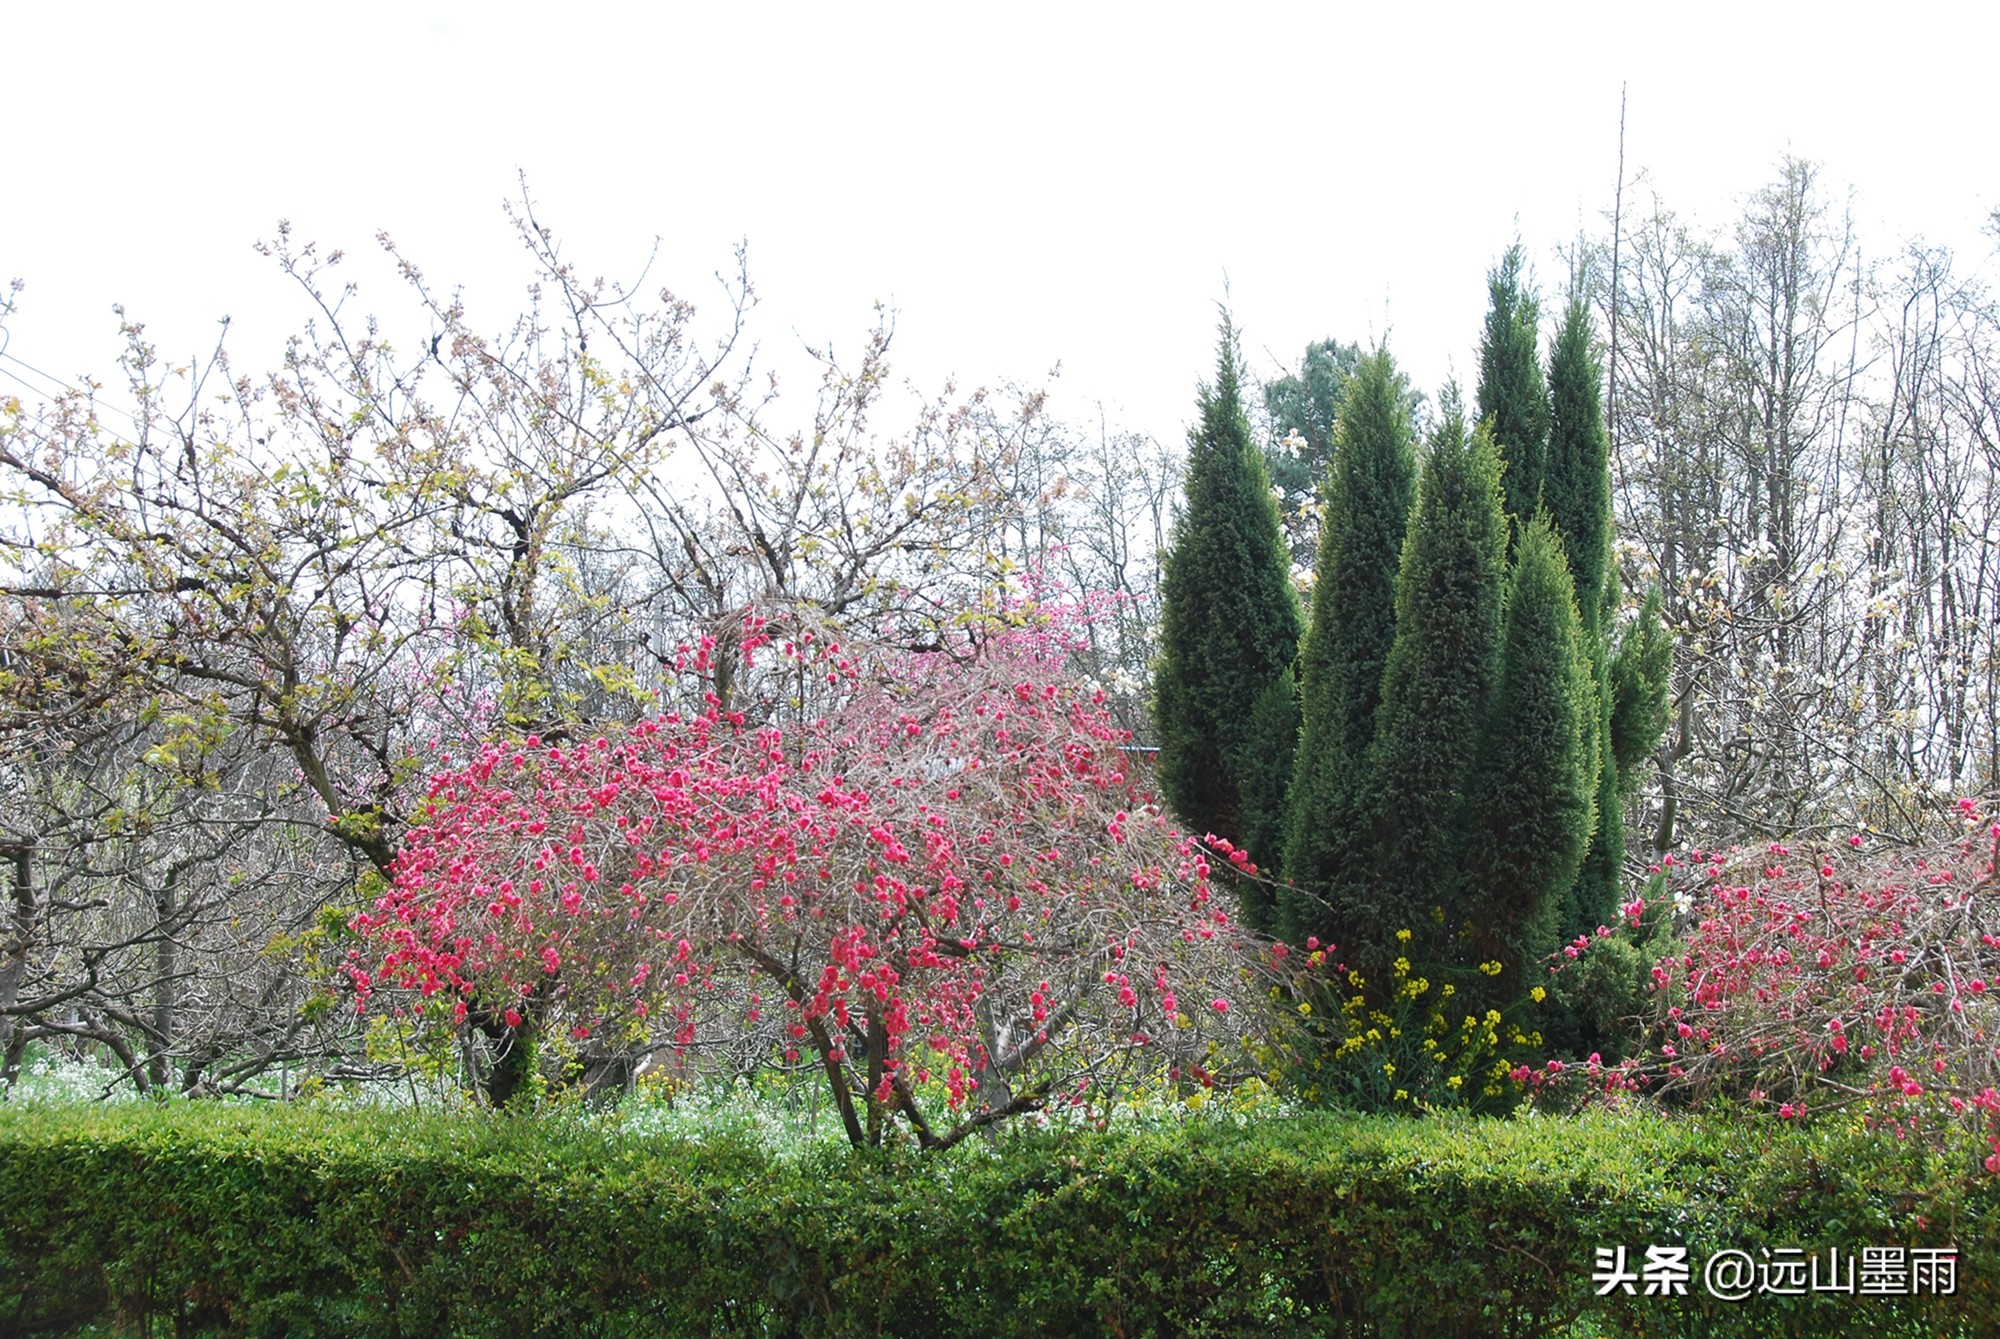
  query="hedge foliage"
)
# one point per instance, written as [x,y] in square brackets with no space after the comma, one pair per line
[229,1220]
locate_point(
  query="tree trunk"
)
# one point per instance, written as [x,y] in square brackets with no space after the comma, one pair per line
[166,963]
[14,965]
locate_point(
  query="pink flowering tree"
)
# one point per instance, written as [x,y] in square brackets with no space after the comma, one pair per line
[927,875]
[1808,981]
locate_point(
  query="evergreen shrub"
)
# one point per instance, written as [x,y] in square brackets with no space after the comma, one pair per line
[208,1220]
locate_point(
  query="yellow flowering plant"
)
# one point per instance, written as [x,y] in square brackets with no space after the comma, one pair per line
[1410,1040]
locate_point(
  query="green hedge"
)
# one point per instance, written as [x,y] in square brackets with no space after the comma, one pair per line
[230,1220]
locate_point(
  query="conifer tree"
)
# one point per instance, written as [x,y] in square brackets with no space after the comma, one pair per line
[1576,485]
[1365,512]
[1512,395]
[1264,766]
[1576,493]
[1437,686]
[1641,682]
[1593,897]
[1538,766]
[1224,706]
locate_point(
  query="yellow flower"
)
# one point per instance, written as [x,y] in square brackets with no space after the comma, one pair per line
[1455,1082]
[1305,1010]
[1389,1069]
[1402,967]
[1538,994]
[1402,1095]
[1403,936]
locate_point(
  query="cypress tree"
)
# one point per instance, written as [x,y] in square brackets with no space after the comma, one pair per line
[1264,765]
[1576,493]
[1365,515]
[1576,485]
[1641,683]
[1438,684]
[1593,898]
[1229,632]
[1512,396]
[1538,765]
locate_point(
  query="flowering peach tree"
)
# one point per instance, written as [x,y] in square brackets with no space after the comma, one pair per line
[1809,981]
[927,875]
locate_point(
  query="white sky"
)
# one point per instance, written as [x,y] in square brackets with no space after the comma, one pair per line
[1025,184]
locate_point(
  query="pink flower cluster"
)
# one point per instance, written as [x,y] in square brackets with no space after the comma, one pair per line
[1813,981]
[944,871]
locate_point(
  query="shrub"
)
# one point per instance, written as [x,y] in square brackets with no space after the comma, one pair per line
[1854,979]
[220,1220]
[930,877]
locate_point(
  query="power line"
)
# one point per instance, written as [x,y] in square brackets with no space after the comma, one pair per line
[62,386]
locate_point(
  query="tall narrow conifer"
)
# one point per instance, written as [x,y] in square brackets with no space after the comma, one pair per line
[1576,493]
[1229,631]
[1512,395]
[1438,685]
[1538,767]
[1576,485]
[1365,512]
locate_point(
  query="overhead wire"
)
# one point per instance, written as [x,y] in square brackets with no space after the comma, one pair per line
[62,387]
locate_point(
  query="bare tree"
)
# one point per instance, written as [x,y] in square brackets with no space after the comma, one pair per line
[1797,466]
[237,637]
